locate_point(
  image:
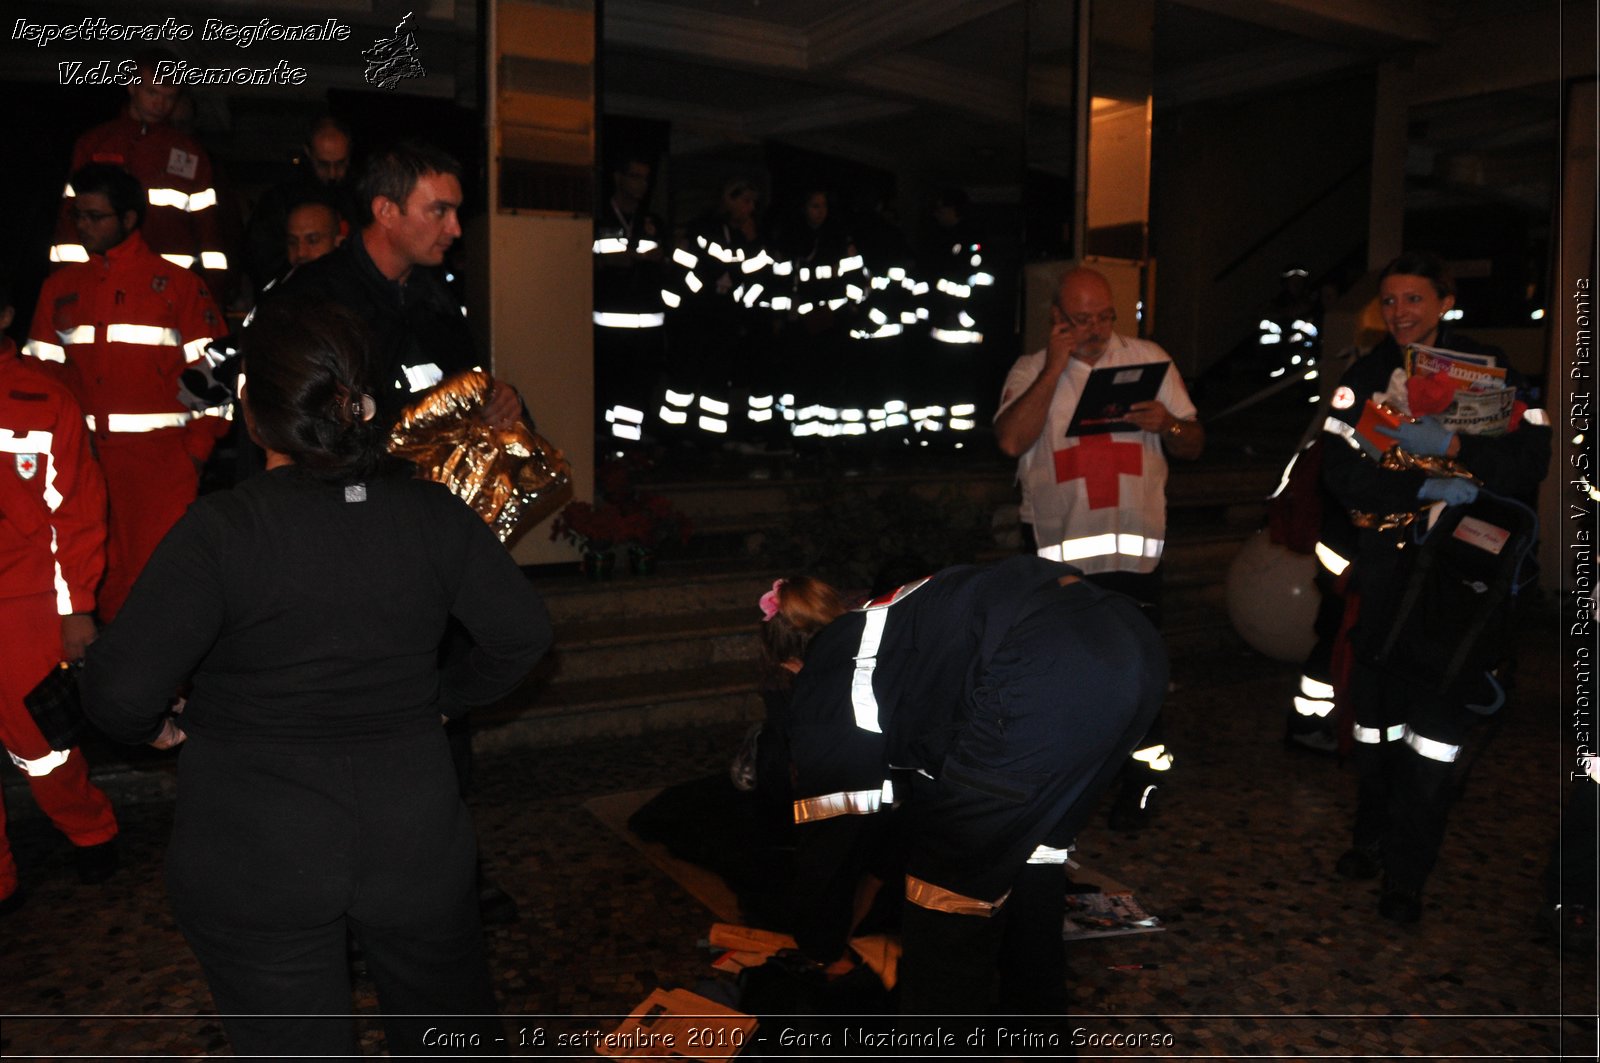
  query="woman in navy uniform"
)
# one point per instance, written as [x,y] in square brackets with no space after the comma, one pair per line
[1410,719]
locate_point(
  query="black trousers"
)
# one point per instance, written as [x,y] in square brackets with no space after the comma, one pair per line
[1144,588]
[1404,792]
[1057,709]
[277,854]
[950,961]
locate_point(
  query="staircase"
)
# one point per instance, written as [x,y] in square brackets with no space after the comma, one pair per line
[679,647]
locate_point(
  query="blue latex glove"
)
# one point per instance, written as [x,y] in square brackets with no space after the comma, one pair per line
[1451,490]
[1425,437]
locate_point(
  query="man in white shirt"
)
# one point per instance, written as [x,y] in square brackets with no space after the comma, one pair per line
[1098,501]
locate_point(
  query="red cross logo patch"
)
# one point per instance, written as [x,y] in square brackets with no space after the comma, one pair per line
[27,465]
[1100,462]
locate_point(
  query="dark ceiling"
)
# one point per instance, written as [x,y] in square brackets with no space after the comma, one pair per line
[935,85]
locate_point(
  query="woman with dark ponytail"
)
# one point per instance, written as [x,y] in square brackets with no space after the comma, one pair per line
[309,398]
[316,795]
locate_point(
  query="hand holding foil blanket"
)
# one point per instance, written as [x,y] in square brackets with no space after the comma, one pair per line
[512,478]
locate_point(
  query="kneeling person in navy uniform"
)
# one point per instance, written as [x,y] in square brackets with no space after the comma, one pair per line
[994,705]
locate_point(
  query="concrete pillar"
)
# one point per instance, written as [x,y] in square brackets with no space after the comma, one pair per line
[538,276]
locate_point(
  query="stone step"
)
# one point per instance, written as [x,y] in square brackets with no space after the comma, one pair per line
[631,704]
[727,507]
[595,646]
[733,503]
[678,648]
[733,583]
[612,646]
[652,693]
[555,710]
[678,588]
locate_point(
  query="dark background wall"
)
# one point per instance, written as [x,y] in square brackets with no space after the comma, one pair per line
[1241,188]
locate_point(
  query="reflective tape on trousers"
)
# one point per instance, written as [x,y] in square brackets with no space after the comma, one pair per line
[1312,706]
[937,898]
[44,765]
[1315,688]
[844,803]
[1373,736]
[1443,752]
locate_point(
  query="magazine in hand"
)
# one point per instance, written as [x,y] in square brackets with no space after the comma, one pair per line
[1108,394]
[1483,400]
[1475,371]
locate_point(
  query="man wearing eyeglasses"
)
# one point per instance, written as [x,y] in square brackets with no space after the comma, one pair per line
[1098,501]
[120,328]
[173,169]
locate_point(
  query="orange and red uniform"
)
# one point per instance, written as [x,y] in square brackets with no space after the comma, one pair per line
[52,553]
[180,222]
[123,326]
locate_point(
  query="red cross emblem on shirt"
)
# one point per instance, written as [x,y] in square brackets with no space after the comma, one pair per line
[27,465]
[1099,461]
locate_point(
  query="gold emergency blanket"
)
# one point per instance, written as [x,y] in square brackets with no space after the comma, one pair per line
[512,478]
[1395,458]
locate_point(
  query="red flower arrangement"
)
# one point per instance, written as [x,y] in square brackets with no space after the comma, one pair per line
[590,528]
[623,516]
[657,522]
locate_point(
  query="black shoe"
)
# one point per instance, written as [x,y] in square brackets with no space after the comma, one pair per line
[1316,741]
[96,863]
[1400,905]
[1134,807]
[12,901]
[1360,862]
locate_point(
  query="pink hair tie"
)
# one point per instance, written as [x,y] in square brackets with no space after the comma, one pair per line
[769,602]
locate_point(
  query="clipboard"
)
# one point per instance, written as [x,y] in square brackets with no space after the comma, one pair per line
[1109,392]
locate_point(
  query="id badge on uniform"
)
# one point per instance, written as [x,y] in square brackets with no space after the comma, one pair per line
[182,163]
